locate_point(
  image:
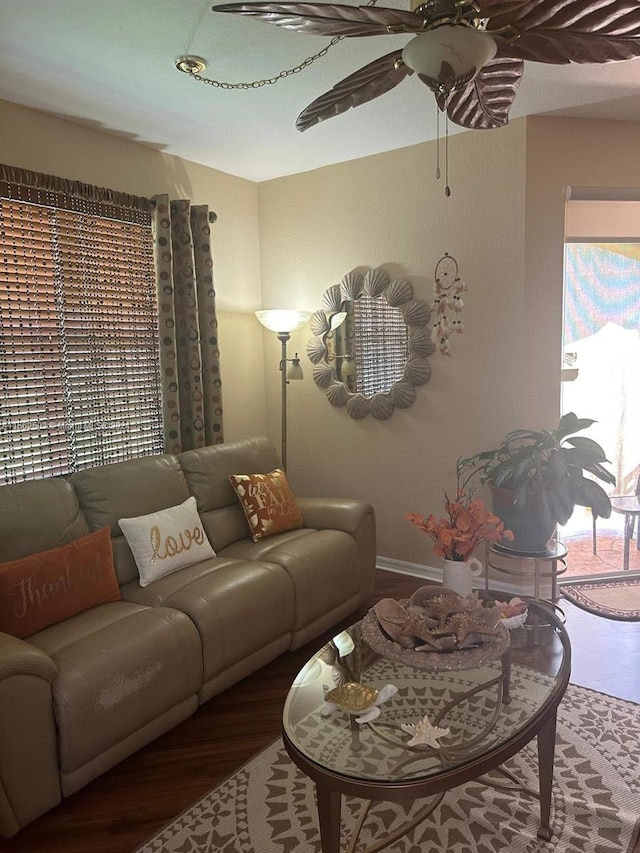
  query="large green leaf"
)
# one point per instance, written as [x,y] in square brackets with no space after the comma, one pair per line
[564,499]
[571,423]
[601,473]
[585,449]
[546,509]
[588,493]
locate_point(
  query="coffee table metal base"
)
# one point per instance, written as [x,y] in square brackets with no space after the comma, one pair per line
[330,788]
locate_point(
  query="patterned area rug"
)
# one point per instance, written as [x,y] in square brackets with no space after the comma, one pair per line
[619,599]
[268,806]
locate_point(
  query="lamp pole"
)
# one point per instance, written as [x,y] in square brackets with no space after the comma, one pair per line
[283,337]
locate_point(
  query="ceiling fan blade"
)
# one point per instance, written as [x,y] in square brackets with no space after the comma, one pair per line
[367,83]
[484,103]
[328,19]
[563,31]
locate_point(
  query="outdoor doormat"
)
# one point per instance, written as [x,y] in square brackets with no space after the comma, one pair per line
[268,806]
[613,599]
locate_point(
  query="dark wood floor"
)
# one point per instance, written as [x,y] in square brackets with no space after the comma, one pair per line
[127,805]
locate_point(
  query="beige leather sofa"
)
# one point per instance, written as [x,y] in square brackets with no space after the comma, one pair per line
[81,695]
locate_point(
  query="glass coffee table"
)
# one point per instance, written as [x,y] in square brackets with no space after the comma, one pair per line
[491,711]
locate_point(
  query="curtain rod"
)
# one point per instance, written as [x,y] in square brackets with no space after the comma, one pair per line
[602,193]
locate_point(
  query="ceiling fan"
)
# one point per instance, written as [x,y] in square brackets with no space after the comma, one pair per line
[470,53]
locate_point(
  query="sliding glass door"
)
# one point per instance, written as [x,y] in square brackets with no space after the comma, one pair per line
[601,363]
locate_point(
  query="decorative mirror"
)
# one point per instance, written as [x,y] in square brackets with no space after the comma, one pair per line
[370,347]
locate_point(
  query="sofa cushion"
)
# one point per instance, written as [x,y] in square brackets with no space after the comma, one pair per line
[267,502]
[47,587]
[324,567]
[127,489]
[38,515]
[237,606]
[207,472]
[167,540]
[123,669]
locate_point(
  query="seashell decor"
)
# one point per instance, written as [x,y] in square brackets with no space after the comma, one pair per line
[399,292]
[367,384]
[418,371]
[358,406]
[376,282]
[437,619]
[332,299]
[351,286]
[319,324]
[323,376]
[316,350]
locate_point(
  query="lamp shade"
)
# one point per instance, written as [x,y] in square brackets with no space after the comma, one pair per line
[294,370]
[282,320]
[448,56]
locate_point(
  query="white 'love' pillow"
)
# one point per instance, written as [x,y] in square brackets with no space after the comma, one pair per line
[164,541]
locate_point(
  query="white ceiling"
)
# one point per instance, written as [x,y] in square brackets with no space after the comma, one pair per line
[110,64]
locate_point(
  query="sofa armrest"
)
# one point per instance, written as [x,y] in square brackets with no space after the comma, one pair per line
[29,773]
[18,657]
[334,513]
[355,517]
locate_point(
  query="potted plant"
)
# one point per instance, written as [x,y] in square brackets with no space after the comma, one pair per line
[467,524]
[537,479]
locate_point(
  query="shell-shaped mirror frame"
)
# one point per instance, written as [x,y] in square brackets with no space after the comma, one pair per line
[416,314]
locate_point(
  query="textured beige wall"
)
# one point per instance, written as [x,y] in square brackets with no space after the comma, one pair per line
[43,143]
[298,235]
[505,224]
[388,210]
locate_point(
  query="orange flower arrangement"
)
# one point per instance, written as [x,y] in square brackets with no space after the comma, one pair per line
[468,524]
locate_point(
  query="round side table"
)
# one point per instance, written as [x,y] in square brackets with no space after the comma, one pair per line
[550,563]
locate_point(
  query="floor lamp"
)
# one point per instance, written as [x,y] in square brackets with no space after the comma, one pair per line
[283,323]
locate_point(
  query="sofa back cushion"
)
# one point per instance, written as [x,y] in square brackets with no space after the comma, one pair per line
[38,515]
[125,490]
[207,471]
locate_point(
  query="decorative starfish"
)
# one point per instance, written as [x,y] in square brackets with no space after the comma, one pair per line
[481,622]
[423,732]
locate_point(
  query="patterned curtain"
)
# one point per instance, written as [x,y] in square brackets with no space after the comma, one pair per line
[189,353]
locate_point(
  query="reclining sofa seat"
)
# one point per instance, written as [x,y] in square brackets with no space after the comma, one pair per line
[329,561]
[82,694]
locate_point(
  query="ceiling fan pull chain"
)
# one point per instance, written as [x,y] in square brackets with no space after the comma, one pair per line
[447,191]
[437,143]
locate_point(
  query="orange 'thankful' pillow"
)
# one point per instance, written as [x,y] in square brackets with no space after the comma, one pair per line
[45,588]
[268,504]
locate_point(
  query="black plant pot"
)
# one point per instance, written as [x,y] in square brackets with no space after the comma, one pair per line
[530,534]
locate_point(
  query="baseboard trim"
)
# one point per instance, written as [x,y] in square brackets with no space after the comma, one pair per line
[434,574]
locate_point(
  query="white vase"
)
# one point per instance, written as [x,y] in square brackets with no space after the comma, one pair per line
[458,574]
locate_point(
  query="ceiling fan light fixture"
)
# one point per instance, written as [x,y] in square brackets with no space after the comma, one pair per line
[448,57]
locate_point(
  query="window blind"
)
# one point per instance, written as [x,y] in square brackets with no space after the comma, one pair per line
[79,365]
[380,345]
